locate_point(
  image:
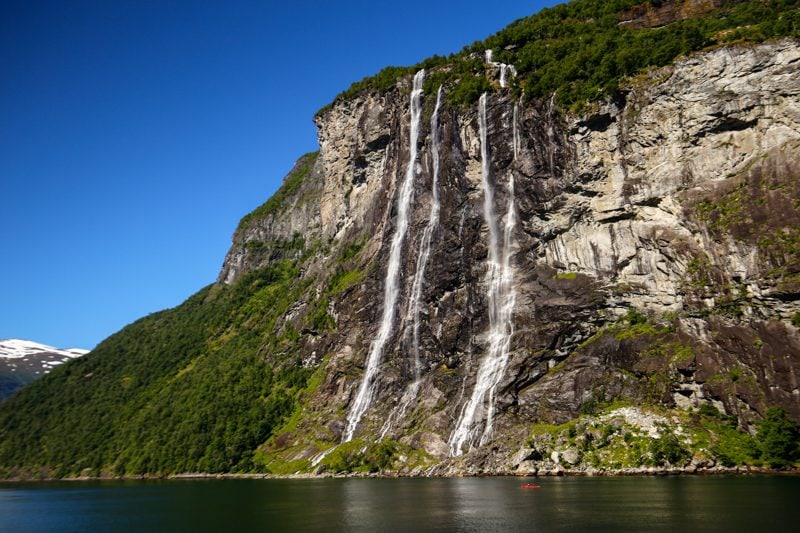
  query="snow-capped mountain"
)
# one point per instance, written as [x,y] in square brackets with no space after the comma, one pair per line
[22,362]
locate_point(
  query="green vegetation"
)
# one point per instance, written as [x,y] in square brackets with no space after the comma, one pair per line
[648,349]
[778,439]
[290,185]
[668,449]
[728,210]
[360,456]
[342,279]
[634,317]
[356,456]
[580,51]
[566,275]
[350,251]
[759,208]
[606,439]
[279,248]
[776,443]
[635,324]
[187,389]
[719,434]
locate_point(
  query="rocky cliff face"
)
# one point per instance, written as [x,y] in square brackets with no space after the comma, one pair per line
[656,258]
[655,14]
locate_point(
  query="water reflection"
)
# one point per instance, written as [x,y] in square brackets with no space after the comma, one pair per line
[469,504]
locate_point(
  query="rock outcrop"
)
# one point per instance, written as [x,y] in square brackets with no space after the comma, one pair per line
[656,258]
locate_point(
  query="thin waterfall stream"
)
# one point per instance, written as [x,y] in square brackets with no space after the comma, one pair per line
[427,237]
[505,69]
[419,276]
[501,297]
[366,389]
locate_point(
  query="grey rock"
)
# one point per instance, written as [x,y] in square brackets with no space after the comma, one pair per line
[611,218]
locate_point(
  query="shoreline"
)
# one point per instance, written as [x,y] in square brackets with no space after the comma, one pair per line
[622,472]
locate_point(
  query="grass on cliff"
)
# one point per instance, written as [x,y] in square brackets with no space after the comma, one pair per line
[356,456]
[760,207]
[580,51]
[607,441]
[289,186]
[603,440]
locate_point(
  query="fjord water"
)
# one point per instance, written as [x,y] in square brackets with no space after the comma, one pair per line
[729,504]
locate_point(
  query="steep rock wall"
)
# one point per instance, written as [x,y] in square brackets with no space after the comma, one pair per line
[677,199]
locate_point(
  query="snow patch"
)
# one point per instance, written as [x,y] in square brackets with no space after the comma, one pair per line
[18,349]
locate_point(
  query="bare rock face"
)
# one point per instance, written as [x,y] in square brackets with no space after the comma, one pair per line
[656,254]
[655,14]
[358,141]
[713,120]
[280,227]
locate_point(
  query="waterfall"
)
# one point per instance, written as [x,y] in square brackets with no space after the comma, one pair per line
[427,237]
[419,276]
[501,298]
[505,324]
[515,135]
[503,76]
[391,285]
[505,69]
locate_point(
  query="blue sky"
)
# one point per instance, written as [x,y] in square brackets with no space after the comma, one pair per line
[134,134]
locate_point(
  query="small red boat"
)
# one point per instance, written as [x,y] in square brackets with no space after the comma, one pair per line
[530,487]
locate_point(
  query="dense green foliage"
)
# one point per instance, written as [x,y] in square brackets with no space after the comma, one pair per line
[359,456]
[778,439]
[289,186]
[580,51]
[776,443]
[187,389]
[12,378]
[668,449]
[729,446]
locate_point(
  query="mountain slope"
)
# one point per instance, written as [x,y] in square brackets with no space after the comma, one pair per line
[598,278]
[22,362]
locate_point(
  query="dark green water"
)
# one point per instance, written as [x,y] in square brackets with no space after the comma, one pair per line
[751,504]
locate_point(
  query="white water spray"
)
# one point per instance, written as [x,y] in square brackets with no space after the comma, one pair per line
[317,459]
[419,276]
[501,298]
[515,133]
[391,286]
[427,237]
[505,69]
